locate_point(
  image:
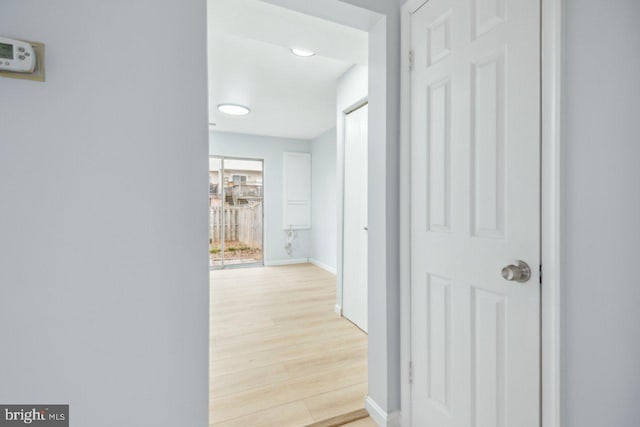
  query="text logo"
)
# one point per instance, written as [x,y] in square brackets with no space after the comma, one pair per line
[34,415]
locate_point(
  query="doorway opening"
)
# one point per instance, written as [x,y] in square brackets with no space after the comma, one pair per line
[289,143]
[236,212]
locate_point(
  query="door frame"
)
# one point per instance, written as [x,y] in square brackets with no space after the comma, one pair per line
[550,185]
[264,229]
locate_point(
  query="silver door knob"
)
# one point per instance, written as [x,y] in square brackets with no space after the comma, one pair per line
[517,273]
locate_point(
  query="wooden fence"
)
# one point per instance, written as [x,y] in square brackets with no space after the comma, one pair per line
[242,224]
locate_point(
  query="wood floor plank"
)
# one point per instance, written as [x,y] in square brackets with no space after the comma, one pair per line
[343,419]
[326,362]
[282,354]
[225,385]
[261,398]
[279,355]
[365,422]
[290,415]
[280,336]
[337,402]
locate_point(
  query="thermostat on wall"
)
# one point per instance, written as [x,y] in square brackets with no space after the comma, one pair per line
[17,56]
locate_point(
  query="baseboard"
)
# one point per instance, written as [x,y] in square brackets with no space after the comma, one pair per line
[381,417]
[286,261]
[338,309]
[323,266]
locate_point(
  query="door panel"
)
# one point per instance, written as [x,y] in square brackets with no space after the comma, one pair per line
[355,291]
[475,144]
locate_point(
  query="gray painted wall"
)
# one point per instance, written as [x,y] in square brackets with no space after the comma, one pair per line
[120,300]
[384,212]
[384,202]
[103,191]
[324,194]
[601,225]
[270,150]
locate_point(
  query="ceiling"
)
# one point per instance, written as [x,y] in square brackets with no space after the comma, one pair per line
[340,11]
[250,63]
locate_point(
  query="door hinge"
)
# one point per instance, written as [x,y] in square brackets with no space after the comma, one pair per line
[410,372]
[540,275]
[411,60]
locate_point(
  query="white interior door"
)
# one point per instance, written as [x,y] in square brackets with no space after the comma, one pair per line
[475,186]
[354,276]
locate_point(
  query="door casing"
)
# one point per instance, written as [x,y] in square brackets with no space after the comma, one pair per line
[551,138]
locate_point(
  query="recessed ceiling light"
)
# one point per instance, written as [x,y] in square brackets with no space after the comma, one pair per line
[302,52]
[234,109]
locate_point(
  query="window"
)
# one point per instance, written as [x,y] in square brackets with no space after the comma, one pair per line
[239,179]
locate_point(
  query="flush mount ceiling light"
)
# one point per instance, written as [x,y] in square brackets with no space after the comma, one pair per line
[302,52]
[233,109]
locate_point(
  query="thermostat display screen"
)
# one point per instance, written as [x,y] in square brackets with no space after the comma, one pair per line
[6,51]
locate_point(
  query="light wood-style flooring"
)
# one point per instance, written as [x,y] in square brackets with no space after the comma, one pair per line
[279,355]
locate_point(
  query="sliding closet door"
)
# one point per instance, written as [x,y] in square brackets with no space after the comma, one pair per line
[355,291]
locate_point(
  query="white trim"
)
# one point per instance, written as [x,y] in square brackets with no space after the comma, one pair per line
[381,417]
[405,210]
[286,262]
[338,309]
[340,205]
[551,146]
[355,106]
[551,98]
[322,265]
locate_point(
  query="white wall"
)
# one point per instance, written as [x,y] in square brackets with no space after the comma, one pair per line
[601,215]
[269,149]
[103,191]
[353,88]
[324,193]
[384,211]
[151,227]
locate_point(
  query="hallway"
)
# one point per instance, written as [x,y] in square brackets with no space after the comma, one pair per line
[280,356]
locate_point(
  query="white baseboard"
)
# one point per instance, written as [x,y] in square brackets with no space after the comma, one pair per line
[381,417]
[286,261]
[323,266]
[338,309]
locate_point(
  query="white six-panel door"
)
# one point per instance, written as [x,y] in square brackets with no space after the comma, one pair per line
[475,187]
[354,277]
